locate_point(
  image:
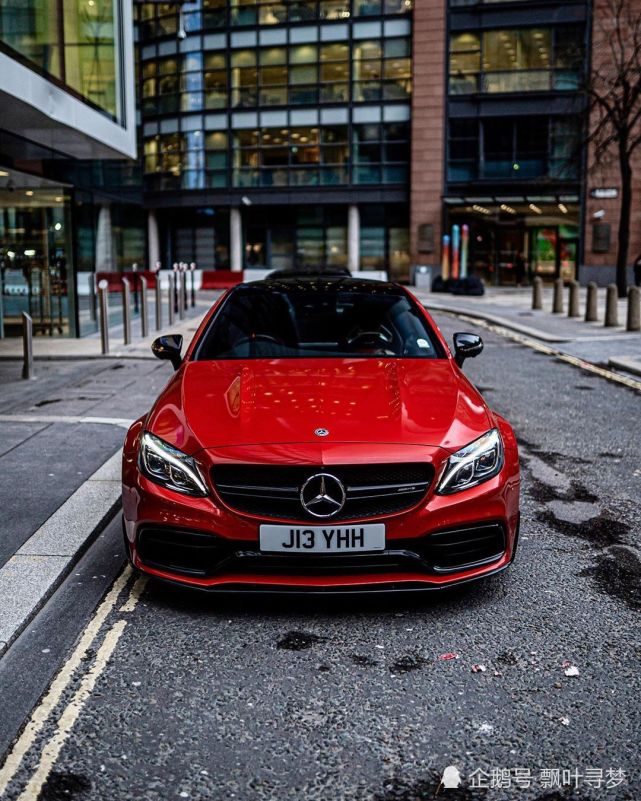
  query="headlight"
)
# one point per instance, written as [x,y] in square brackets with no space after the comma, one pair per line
[473,464]
[170,467]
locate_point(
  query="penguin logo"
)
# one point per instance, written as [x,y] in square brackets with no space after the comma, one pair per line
[451,779]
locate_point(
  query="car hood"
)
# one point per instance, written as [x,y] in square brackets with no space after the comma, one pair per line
[211,404]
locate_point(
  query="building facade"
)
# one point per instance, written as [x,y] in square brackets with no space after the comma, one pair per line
[67,144]
[277,134]
[361,133]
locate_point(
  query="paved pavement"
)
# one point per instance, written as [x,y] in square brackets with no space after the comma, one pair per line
[45,347]
[168,694]
[512,308]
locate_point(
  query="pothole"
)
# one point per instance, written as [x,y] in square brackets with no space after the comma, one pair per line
[64,786]
[298,641]
[408,663]
[363,661]
[600,531]
[618,573]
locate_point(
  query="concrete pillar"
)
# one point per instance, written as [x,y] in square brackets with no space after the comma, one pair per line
[611,306]
[557,301]
[633,317]
[235,240]
[153,241]
[537,293]
[104,242]
[573,300]
[353,239]
[591,310]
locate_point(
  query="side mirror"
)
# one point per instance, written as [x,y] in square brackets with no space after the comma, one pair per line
[466,346]
[168,347]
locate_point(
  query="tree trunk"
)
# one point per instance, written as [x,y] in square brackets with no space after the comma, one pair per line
[624,220]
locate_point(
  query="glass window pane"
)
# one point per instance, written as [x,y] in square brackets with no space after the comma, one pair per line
[303,54]
[334,52]
[31,27]
[91,52]
[243,58]
[273,55]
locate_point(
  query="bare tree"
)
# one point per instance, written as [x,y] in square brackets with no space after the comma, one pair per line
[614,93]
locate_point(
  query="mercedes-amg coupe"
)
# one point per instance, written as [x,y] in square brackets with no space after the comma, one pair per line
[319,435]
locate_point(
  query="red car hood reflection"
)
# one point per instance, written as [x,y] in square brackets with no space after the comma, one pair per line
[226,403]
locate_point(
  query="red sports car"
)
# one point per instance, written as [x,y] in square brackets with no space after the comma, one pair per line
[319,435]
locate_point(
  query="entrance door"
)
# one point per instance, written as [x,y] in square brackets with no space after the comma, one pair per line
[509,243]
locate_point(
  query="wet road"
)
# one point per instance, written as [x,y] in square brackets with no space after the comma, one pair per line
[193,697]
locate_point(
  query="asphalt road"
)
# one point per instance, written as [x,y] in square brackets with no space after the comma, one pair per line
[251,699]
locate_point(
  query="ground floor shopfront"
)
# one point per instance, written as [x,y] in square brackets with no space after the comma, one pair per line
[512,239]
[54,236]
[356,236]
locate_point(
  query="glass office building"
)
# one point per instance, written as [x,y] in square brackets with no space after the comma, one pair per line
[514,126]
[68,203]
[277,134]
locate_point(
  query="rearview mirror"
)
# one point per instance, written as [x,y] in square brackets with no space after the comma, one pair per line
[466,346]
[168,347]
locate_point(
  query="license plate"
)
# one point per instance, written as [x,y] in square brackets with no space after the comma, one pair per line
[322,539]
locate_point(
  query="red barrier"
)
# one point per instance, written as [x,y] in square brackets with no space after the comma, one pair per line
[115,279]
[220,279]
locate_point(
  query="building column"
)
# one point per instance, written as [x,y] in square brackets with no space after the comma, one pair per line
[353,239]
[153,241]
[104,242]
[235,240]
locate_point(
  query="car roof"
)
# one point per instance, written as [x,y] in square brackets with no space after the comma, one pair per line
[326,283]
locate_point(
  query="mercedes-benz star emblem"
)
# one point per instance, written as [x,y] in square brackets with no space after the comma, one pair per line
[322,495]
[321,432]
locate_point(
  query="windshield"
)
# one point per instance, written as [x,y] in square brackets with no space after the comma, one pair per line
[317,320]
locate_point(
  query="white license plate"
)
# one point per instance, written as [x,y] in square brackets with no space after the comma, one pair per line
[322,539]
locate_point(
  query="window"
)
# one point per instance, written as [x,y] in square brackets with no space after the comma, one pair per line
[465,63]
[517,149]
[516,60]
[380,153]
[74,39]
[306,75]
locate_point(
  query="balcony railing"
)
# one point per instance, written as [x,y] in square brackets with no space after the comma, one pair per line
[500,81]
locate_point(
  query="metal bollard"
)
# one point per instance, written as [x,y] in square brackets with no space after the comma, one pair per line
[611,298]
[193,288]
[537,293]
[573,300]
[175,273]
[633,317]
[126,311]
[158,302]
[181,295]
[144,308]
[27,346]
[557,302]
[103,306]
[591,300]
[171,291]
[92,296]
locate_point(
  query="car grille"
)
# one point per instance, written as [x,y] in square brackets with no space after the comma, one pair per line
[274,490]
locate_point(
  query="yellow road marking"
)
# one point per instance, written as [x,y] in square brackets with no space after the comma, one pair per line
[134,596]
[50,700]
[575,361]
[52,749]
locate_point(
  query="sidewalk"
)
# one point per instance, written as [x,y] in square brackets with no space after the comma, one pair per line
[60,441]
[512,309]
[88,347]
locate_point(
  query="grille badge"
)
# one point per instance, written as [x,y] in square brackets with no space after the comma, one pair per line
[321,432]
[322,495]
